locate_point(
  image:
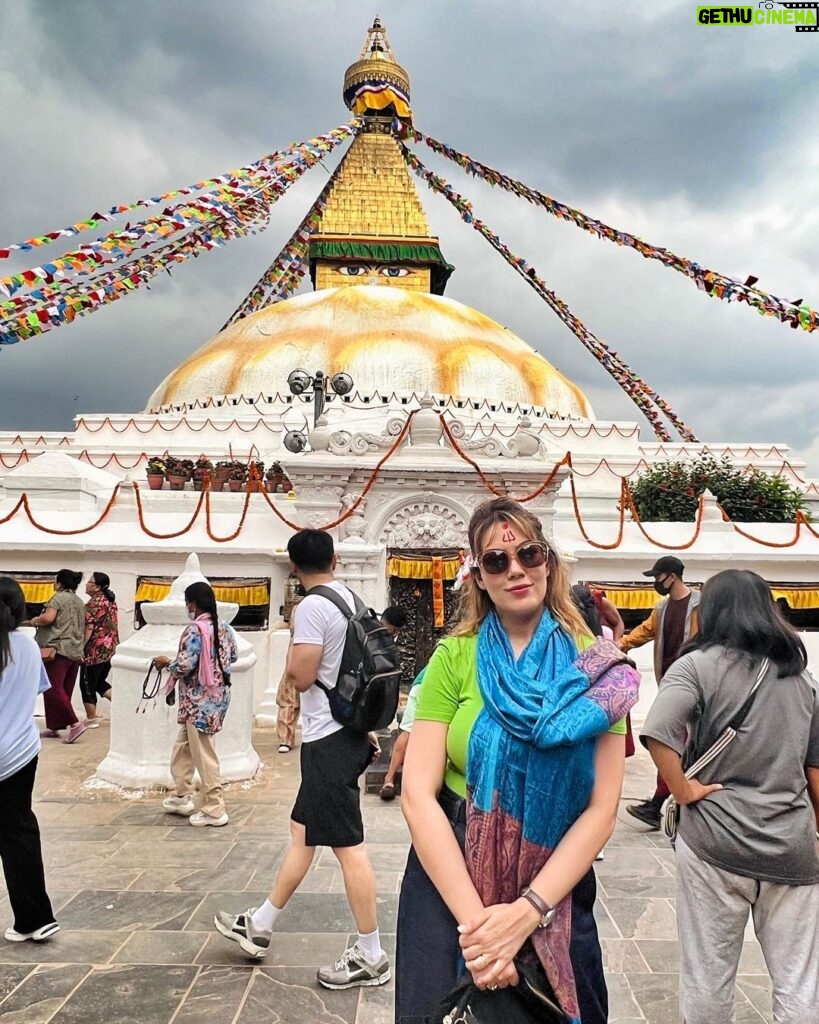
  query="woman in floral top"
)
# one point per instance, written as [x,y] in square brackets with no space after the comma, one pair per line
[101,640]
[202,671]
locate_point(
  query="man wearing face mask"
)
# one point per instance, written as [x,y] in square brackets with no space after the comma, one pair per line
[671,624]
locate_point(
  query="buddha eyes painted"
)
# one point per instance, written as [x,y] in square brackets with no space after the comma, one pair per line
[362,270]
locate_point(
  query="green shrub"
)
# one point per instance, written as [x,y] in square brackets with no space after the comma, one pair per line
[669,492]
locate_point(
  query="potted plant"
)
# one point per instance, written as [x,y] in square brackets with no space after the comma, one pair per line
[175,473]
[203,470]
[221,474]
[238,475]
[274,477]
[155,472]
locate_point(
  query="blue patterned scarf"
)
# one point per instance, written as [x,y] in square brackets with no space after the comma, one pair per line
[530,765]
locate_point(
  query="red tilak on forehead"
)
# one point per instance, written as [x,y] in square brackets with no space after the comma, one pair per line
[508,532]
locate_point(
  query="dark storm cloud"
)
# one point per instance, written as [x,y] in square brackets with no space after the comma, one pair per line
[697,139]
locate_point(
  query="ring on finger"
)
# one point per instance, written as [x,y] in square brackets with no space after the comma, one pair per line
[493,988]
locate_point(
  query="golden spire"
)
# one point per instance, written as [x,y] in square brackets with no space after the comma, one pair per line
[377,85]
[374,230]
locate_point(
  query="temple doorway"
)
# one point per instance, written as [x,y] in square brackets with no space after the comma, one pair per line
[412,587]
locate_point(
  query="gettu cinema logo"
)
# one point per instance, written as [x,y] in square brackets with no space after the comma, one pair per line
[803,16]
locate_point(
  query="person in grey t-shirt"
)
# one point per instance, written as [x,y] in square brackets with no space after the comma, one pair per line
[747,836]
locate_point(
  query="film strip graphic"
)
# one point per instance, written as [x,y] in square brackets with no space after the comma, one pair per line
[813,6]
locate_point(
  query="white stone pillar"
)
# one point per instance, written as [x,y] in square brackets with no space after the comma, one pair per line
[142,733]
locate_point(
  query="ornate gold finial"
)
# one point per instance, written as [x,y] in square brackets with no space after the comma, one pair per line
[376,85]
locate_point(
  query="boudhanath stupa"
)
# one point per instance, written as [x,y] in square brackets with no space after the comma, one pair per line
[391,408]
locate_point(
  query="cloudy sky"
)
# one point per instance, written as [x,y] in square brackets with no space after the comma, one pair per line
[699,139]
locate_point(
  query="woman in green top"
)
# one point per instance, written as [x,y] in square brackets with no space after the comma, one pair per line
[510,714]
[61,626]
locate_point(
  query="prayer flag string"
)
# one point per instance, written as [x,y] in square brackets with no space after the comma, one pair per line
[285,273]
[230,178]
[640,392]
[731,289]
[61,301]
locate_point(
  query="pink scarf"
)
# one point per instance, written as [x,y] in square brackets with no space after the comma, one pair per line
[208,679]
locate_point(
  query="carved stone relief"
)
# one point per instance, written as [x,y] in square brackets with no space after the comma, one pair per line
[424,524]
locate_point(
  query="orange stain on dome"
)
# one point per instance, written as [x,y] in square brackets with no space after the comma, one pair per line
[388,335]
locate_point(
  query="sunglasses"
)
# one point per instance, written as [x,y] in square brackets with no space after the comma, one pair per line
[530,554]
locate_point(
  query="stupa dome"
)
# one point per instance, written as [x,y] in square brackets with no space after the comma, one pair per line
[388,339]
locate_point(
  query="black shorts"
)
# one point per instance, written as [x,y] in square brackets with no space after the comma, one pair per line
[93,681]
[328,803]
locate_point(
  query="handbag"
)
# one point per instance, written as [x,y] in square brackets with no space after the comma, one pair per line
[48,653]
[671,809]
[531,1001]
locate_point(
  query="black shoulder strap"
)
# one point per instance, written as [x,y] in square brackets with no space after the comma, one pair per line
[335,598]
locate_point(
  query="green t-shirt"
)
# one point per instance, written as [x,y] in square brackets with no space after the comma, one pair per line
[451,694]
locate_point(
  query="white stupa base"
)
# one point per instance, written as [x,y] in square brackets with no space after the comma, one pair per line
[143,732]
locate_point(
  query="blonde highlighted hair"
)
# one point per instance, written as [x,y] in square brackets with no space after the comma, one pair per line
[475,604]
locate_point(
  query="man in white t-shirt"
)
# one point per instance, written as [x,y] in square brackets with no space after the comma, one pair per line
[327,811]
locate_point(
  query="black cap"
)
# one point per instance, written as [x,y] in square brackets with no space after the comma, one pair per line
[668,563]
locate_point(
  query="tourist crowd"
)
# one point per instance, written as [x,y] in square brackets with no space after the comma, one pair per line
[512,751]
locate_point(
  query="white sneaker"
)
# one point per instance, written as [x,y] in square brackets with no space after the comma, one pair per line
[92,723]
[38,935]
[353,970]
[183,805]
[200,820]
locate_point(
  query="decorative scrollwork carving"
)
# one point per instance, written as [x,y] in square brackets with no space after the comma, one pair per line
[491,446]
[457,429]
[344,443]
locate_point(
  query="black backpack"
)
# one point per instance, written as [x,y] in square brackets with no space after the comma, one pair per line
[365,696]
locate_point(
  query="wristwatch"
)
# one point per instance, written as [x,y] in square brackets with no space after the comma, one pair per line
[547,913]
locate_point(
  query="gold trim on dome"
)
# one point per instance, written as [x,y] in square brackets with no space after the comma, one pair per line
[387,339]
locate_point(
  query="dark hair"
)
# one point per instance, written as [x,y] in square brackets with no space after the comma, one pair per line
[586,605]
[395,616]
[737,611]
[201,594]
[68,579]
[103,581]
[12,613]
[311,551]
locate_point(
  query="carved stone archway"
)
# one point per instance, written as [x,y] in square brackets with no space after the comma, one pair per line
[421,526]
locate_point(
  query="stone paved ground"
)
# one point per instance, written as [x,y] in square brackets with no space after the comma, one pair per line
[135,891]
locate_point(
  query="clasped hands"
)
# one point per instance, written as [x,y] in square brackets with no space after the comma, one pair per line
[492,939]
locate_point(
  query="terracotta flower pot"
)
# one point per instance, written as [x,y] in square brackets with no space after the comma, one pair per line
[155,481]
[236,485]
[218,483]
[176,483]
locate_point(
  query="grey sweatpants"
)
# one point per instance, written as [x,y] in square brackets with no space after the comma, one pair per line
[712,911]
